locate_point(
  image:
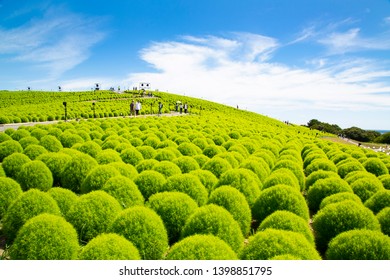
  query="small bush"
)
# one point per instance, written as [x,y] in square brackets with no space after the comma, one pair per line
[13,164]
[385,179]
[131,156]
[189,184]
[348,167]
[124,169]
[212,150]
[282,176]
[45,237]
[35,174]
[166,168]
[338,197]
[147,152]
[97,177]
[270,243]
[150,182]
[56,163]
[146,164]
[317,175]
[64,198]
[69,139]
[279,197]
[378,201]
[124,190]
[9,147]
[29,140]
[51,143]
[92,213]
[208,179]
[201,160]
[108,156]
[366,188]
[215,220]
[359,244]
[189,149]
[20,134]
[27,205]
[320,164]
[174,208]
[258,166]
[109,246]
[145,229]
[34,151]
[384,220]
[201,247]
[10,190]
[375,166]
[186,164]
[90,148]
[295,168]
[339,217]
[286,220]
[235,202]
[217,166]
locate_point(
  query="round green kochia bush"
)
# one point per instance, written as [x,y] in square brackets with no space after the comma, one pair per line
[9,147]
[131,156]
[320,164]
[35,175]
[56,163]
[69,139]
[92,214]
[186,164]
[366,188]
[323,188]
[34,151]
[4,137]
[166,168]
[376,166]
[19,134]
[243,180]
[359,244]
[29,204]
[384,220]
[10,190]
[215,220]
[124,190]
[124,169]
[378,201]
[147,152]
[357,175]
[109,246]
[26,141]
[189,149]
[45,237]
[286,220]
[201,247]
[150,182]
[174,208]
[212,150]
[65,198]
[235,202]
[279,197]
[50,143]
[97,177]
[108,156]
[90,148]
[258,166]
[350,166]
[188,184]
[145,229]
[146,164]
[295,168]
[339,217]
[285,257]
[13,163]
[338,197]
[217,166]
[385,179]
[207,178]
[75,171]
[282,176]
[265,245]
[317,175]
[165,154]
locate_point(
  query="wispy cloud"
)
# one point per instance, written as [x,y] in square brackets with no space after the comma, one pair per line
[56,42]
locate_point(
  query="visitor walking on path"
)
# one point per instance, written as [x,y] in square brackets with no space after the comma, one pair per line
[137,108]
[160,106]
[185,108]
[132,108]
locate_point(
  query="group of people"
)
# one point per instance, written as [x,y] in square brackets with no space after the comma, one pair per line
[180,107]
[135,108]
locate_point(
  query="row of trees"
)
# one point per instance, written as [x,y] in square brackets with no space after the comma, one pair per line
[354,133]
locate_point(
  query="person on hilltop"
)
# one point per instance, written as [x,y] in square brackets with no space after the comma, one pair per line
[132,108]
[137,107]
[185,108]
[160,106]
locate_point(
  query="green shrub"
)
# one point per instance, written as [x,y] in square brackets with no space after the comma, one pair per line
[366,188]
[20,134]
[90,148]
[147,152]
[75,171]
[34,151]
[258,166]
[166,168]
[286,220]
[64,198]
[323,188]
[9,147]
[215,220]
[317,175]
[186,164]
[124,169]
[229,156]
[92,214]
[150,182]
[201,247]
[108,156]
[188,184]
[265,245]
[124,190]
[10,190]
[189,149]
[338,197]
[145,229]
[320,164]
[13,164]
[201,159]
[174,208]
[45,237]
[38,132]
[131,156]
[359,244]
[375,166]
[235,202]
[27,205]
[152,142]
[69,139]
[50,143]
[109,246]
[356,175]
[4,137]
[55,162]
[35,174]
[165,154]
[285,257]
[295,168]
[212,150]
[29,140]
[348,167]
[384,220]
[217,166]
[378,201]
[282,176]
[208,179]
[339,217]
[146,164]
[279,197]
[385,179]
[97,177]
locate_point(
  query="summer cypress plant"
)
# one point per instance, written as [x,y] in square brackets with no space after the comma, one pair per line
[65,198]
[217,166]
[13,163]
[131,156]
[150,182]
[385,179]
[124,169]
[186,164]
[69,139]
[29,140]
[97,177]
[90,148]
[9,147]
[366,188]
[359,244]
[147,152]
[109,246]
[375,166]
[50,143]
[384,220]
[281,176]
[378,201]
[108,156]
[201,247]
[34,151]
[144,228]
[189,149]
[208,179]
[295,168]
[10,190]
[35,174]
[124,190]
[317,175]
[166,168]
[258,166]
[320,164]
[55,162]
[201,159]
[265,245]
[45,237]
[338,197]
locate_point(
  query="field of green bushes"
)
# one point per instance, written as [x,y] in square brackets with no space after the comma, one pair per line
[218,183]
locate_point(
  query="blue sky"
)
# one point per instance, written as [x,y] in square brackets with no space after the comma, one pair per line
[291,60]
